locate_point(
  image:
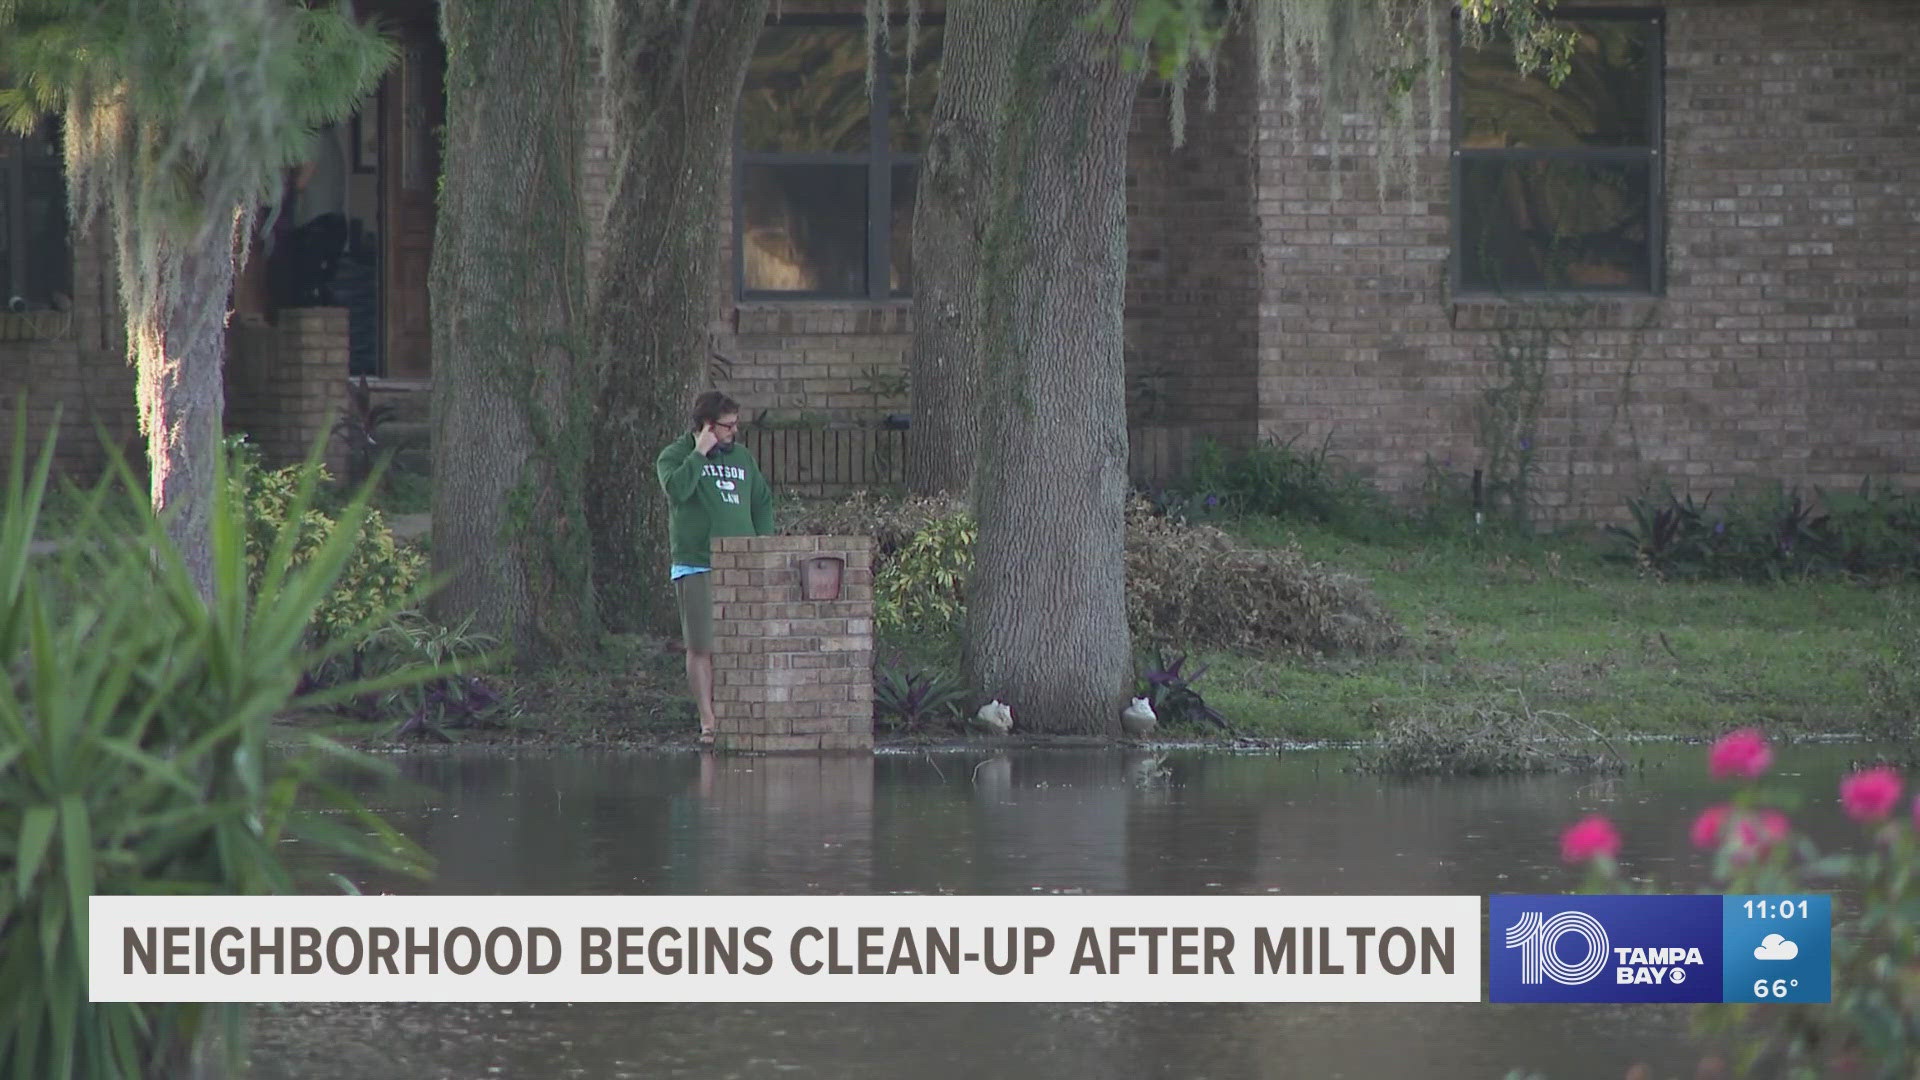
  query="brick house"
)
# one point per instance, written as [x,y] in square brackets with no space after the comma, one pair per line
[1703,252]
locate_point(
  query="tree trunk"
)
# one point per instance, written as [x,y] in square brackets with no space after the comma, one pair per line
[179,344]
[949,237]
[673,78]
[510,408]
[1047,619]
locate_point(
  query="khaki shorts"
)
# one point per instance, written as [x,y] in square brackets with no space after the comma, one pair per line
[696,611]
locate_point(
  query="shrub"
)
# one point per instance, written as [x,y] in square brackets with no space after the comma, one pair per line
[455,697]
[134,759]
[1273,478]
[1772,534]
[923,587]
[1871,1028]
[890,521]
[380,574]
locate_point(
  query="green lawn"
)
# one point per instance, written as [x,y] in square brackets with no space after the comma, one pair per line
[1551,624]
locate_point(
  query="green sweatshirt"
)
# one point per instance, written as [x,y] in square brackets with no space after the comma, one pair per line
[709,497]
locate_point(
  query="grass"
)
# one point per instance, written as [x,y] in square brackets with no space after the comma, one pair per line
[1495,626]
[1550,624]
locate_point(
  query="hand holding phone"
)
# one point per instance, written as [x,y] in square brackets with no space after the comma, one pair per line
[706,440]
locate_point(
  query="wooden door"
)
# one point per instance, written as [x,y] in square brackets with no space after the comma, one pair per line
[415,106]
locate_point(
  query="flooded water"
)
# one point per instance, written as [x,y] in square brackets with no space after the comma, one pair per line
[1114,822]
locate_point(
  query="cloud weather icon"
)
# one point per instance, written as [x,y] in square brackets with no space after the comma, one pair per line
[1775,947]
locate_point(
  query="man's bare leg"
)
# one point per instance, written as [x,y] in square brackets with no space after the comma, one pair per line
[700,678]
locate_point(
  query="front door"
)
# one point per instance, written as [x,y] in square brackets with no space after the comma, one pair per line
[413,102]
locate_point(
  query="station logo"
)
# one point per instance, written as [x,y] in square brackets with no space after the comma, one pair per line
[1604,948]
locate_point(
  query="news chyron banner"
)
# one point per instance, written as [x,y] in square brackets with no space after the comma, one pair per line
[1053,948]
[774,949]
[1660,948]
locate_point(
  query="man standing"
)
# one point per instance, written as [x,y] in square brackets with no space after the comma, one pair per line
[714,488]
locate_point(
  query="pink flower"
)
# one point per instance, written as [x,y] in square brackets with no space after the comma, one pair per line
[1753,834]
[1740,753]
[1870,794]
[1591,837]
[1709,826]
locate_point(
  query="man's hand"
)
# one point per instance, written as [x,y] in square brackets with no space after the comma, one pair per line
[705,441]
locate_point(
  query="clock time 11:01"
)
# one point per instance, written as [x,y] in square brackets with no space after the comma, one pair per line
[1786,909]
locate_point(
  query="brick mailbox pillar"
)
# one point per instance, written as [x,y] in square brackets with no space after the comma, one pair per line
[793,673]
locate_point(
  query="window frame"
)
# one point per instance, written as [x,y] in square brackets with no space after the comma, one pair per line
[880,159]
[1652,155]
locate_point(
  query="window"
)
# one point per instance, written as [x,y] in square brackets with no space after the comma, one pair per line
[1558,190]
[824,171]
[36,252]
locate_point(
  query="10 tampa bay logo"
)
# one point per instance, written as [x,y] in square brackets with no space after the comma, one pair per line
[1604,948]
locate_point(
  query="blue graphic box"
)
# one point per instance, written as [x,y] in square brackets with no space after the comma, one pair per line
[1662,948]
[1778,948]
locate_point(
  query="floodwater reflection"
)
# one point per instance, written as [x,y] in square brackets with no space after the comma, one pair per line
[1119,822]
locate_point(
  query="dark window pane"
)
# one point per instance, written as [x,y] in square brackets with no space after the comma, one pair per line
[912,105]
[806,92]
[49,255]
[1607,100]
[1554,225]
[805,229]
[6,217]
[900,276]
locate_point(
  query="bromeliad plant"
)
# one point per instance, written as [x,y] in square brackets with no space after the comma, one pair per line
[1872,1027]
[134,717]
[1168,687]
[912,698]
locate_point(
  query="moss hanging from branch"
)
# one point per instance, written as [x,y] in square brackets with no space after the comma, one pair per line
[1346,57]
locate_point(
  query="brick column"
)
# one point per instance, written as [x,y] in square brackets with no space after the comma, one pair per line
[791,674]
[286,383]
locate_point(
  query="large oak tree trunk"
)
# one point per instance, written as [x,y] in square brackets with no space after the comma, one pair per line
[951,207]
[510,410]
[673,77]
[179,344]
[1047,619]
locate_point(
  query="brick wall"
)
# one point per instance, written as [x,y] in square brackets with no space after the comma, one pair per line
[75,362]
[286,383]
[1785,347]
[791,674]
[1193,284]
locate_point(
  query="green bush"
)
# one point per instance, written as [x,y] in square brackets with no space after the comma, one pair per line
[134,759]
[380,574]
[923,588]
[1273,478]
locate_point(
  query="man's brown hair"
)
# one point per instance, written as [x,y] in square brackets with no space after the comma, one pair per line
[709,407]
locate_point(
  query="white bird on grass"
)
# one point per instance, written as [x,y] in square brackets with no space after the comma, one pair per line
[1137,720]
[994,717]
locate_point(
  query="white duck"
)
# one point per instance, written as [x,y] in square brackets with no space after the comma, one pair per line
[1138,720]
[994,717]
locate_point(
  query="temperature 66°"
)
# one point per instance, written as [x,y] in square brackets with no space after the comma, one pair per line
[1777,988]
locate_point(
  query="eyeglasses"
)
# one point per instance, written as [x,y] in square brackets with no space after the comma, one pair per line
[730,427]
